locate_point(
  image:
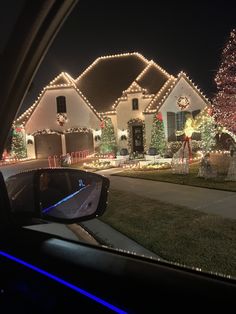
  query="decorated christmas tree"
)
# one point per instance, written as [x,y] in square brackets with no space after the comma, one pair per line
[158,140]
[208,131]
[18,147]
[108,141]
[225,99]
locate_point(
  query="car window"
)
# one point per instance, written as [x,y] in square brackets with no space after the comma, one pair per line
[131,92]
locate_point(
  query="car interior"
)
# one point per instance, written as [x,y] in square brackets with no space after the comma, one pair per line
[44,273]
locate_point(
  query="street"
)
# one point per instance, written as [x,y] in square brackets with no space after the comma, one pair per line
[10,170]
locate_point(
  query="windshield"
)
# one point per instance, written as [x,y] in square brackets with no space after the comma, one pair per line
[145,95]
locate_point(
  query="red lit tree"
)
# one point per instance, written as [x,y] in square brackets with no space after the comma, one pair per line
[225,100]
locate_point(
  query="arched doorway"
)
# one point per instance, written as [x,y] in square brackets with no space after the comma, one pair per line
[136,135]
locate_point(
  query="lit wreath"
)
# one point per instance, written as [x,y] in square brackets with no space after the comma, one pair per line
[61,118]
[183,102]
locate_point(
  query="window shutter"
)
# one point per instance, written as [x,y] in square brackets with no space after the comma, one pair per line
[171,126]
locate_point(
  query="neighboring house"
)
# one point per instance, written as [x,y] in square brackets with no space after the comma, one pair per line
[128,88]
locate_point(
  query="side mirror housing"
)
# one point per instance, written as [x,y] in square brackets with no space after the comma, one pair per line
[61,195]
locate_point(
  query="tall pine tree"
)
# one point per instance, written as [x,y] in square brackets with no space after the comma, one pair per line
[225,99]
[158,139]
[108,140]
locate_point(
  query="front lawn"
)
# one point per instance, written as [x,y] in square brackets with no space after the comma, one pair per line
[189,179]
[175,233]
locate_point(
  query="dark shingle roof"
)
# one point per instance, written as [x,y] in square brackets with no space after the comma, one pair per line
[153,78]
[108,77]
[105,80]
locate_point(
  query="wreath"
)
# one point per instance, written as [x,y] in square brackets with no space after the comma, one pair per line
[61,118]
[183,102]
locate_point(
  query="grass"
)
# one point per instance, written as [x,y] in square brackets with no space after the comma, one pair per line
[177,234]
[189,179]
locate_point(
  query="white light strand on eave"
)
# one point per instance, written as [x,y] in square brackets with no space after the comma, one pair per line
[110,57]
[134,88]
[64,76]
[87,102]
[102,114]
[159,93]
[151,63]
[25,116]
[183,74]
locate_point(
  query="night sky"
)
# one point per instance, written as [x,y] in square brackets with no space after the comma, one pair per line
[176,34]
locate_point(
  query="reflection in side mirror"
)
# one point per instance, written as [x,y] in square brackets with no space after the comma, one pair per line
[69,194]
[62,195]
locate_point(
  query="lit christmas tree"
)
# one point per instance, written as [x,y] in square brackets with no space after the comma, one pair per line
[208,131]
[225,100]
[158,139]
[18,147]
[108,140]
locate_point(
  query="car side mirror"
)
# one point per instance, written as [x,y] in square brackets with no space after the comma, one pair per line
[61,195]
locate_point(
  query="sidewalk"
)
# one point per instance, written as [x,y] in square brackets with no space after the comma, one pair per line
[210,201]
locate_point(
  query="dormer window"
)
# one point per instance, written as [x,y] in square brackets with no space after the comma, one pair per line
[61,104]
[135,103]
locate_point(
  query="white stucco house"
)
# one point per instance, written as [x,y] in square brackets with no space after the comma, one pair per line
[128,88]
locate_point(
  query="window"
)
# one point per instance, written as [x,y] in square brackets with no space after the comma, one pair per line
[171,126]
[180,120]
[135,103]
[61,104]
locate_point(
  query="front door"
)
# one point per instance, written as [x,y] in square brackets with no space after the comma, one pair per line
[138,138]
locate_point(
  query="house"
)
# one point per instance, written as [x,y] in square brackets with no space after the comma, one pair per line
[128,88]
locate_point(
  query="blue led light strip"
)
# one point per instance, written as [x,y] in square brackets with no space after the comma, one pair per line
[63,282]
[64,200]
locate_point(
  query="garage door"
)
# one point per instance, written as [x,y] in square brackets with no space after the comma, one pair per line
[79,141]
[47,145]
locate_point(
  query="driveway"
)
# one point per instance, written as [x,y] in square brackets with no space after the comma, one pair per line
[210,201]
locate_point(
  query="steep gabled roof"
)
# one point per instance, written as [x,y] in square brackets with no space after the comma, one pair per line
[152,106]
[63,80]
[162,95]
[152,78]
[105,80]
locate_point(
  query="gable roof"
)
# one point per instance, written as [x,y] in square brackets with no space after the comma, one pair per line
[105,80]
[152,78]
[63,80]
[168,87]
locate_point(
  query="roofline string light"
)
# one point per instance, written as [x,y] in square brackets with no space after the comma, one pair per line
[150,64]
[176,80]
[110,57]
[71,84]
[159,93]
[139,77]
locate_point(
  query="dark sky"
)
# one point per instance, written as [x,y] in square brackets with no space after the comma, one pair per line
[176,34]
